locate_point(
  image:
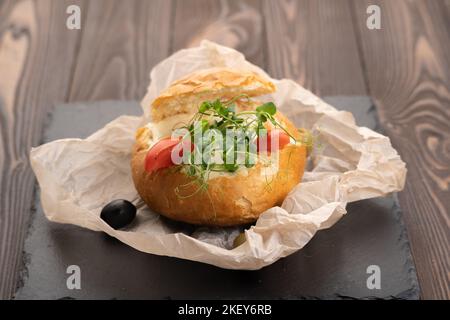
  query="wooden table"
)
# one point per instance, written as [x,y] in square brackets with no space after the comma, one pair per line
[324,45]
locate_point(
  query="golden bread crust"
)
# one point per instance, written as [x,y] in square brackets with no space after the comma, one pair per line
[183,95]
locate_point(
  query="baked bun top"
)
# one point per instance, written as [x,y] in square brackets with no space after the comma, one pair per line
[184,95]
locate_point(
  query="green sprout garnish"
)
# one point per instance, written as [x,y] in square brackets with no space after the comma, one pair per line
[221,117]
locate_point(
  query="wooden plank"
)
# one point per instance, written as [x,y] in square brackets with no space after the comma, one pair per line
[236,24]
[407,68]
[36,56]
[313,42]
[122,41]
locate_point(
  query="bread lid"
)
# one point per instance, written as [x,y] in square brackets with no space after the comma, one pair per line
[184,95]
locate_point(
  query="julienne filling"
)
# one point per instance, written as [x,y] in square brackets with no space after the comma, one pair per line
[219,138]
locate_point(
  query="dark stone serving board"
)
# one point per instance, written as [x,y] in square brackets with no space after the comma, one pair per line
[333,265]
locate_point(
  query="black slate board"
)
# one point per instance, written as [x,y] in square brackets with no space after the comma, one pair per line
[332,266]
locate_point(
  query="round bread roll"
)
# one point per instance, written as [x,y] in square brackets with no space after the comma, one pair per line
[230,198]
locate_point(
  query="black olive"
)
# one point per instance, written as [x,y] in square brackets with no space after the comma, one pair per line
[118,213]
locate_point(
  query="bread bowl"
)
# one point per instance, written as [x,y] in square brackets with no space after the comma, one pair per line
[228,197]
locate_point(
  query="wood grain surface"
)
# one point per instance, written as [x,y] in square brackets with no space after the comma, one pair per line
[236,24]
[121,42]
[36,59]
[409,78]
[323,44]
[317,47]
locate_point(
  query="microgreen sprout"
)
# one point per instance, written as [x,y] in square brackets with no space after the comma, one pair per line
[222,116]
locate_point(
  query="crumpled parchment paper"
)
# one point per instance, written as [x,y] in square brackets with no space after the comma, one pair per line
[78,177]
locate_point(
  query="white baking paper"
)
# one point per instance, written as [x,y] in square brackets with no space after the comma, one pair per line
[78,177]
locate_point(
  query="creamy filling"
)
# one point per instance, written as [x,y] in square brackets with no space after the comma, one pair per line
[165,127]
[269,168]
